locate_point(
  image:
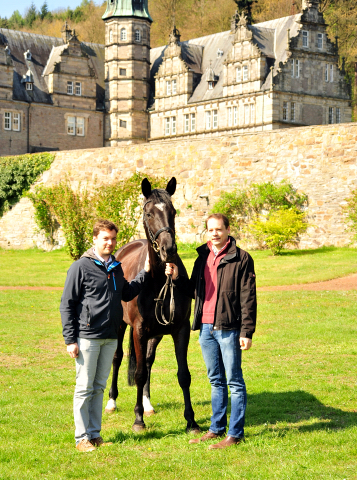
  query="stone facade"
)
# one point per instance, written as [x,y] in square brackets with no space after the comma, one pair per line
[60,94]
[320,161]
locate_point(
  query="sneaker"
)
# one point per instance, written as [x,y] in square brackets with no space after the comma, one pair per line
[99,442]
[85,446]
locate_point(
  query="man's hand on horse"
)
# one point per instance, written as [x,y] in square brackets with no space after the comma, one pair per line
[245,343]
[147,263]
[171,269]
[73,350]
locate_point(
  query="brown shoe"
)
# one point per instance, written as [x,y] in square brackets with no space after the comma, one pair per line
[207,436]
[99,442]
[85,446]
[226,442]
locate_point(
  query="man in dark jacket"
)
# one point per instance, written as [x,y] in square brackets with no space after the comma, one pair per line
[223,285]
[91,312]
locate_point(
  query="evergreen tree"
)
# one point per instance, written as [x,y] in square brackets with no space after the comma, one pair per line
[44,12]
[31,15]
[246,7]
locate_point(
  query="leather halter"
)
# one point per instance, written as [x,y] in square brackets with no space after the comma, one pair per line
[152,236]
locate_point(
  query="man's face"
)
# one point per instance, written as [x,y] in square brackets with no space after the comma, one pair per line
[217,233]
[105,242]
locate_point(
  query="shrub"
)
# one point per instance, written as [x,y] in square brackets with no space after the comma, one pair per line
[18,173]
[280,228]
[242,206]
[77,210]
[351,210]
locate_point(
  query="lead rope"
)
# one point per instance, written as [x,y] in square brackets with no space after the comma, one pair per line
[159,307]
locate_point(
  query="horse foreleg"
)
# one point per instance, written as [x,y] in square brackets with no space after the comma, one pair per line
[140,344]
[150,358]
[118,357]
[181,340]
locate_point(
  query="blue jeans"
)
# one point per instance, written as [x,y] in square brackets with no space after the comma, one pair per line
[222,355]
[92,371]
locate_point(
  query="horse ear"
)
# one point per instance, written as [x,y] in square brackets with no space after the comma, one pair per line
[146,188]
[171,186]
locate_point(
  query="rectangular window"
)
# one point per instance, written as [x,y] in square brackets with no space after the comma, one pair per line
[122,72]
[7,122]
[285,110]
[235,115]
[210,85]
[246,114]
[330,115]
[193,122]
[174,87]
[70,88]
[123,123]
[245,73]
[167,126]
[331,73]
[215,118]
[326,72]
[297,68]
[168,87]
[238,74]
[320,41]
[292,112]
[305,39]
[187,123]
[230,118]
[173,125]
[71,125]
[16,122]
[292,68]
[208,120]
[28,86]
[252,112]
[338,115]
[78,90]
[80,126]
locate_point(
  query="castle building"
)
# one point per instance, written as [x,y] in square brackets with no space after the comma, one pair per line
[61,94]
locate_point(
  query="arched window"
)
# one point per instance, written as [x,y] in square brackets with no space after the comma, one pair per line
[110,36]
[137,36]
[123,34]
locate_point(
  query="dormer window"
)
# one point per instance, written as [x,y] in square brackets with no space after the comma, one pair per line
[28,80]
[7,50]
[27,55]
[219,53]
[137,36]
[123,34]
[29,86]
[210,85]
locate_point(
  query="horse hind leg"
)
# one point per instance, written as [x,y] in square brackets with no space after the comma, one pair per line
[140,343]
[118,357]
[150,358]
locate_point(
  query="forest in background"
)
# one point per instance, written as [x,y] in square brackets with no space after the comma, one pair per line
[194,18]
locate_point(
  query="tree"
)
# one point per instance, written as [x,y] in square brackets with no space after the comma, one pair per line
[44,12]
[246,6]
[31,15]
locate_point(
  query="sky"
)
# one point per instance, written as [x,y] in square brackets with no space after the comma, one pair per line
[7,8]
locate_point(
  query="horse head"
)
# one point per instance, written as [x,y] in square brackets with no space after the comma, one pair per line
[159,219]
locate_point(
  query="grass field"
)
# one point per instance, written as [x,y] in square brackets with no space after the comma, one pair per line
[301,380]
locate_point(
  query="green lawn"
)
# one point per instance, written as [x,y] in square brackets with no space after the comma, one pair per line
[301,380]
[38,268]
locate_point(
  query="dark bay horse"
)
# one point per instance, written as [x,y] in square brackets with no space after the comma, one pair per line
[146,330]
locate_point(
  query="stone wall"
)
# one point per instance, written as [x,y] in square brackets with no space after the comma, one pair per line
[320,161]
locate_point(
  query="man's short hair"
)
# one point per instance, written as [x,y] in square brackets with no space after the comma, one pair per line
[219,216]
[103,225]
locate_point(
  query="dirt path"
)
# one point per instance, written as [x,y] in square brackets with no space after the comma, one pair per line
[344,283]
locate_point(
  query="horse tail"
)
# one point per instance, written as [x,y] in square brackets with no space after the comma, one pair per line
[132,359]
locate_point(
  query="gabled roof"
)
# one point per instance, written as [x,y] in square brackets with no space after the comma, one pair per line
[45,52]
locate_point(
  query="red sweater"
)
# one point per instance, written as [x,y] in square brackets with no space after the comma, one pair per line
[209,306]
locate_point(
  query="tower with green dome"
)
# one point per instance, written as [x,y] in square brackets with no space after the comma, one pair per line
[127,71]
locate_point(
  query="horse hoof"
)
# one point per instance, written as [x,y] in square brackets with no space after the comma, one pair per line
[148,413]
[195,431]
[111,406]
[109,410]
[138,428]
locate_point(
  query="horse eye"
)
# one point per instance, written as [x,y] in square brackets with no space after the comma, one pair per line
[149,215]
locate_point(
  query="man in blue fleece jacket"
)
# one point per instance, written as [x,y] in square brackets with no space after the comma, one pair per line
[91,313]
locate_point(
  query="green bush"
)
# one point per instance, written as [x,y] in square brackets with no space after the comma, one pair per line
[77,210]
[242,206]
[280,228]
[17,174]
[351,210]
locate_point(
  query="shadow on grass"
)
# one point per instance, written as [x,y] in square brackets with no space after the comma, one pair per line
[309,251]
[294,407]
